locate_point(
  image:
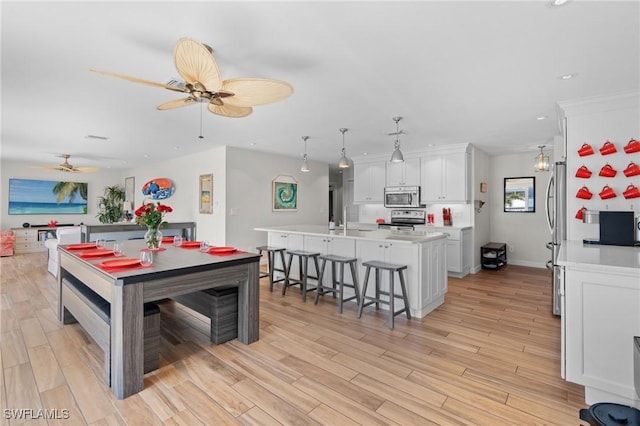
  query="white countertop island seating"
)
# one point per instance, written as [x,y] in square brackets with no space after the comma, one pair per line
[424,253]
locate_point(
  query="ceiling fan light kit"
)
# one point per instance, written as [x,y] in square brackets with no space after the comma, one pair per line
[396,155]
[305,165]
[235,97]
[344,162]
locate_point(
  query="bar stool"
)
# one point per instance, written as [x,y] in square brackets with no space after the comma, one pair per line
[303,262]
[341,260]
[379,267]
[271,262]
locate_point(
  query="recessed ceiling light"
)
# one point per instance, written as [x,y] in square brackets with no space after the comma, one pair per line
[364,153]
[567,76]
[558,2]
[542,117]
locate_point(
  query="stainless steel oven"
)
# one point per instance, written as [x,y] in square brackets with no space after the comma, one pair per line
[404,220]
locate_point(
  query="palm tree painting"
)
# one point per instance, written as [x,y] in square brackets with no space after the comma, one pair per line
[28,196]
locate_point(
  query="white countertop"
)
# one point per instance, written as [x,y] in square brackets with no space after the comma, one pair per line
[410,237]
[600,258]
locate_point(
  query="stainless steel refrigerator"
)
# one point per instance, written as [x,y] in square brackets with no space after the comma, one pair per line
[556,208]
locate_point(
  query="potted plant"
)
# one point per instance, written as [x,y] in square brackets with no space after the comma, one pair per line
[110,204]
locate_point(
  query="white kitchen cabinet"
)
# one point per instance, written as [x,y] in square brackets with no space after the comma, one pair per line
[459,249]
[406,173]
[289,242]
[30,240]
[369,182]
[445,178]
[601,317]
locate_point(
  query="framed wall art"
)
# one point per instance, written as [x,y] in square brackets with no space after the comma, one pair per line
[205,193]
[520,195]
[284,194]
[129,190]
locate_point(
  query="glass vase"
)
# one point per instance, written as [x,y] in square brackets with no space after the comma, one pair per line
[153,237]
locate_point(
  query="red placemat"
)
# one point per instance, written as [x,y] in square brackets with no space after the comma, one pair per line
[123,268]
[158,249]
[222,250]
[96,253]
[228,253]
[167,240]
[190,244]
[83,246]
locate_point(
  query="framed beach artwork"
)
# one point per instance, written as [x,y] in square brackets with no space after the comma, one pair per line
[27,196]
[284,194]
[206,194]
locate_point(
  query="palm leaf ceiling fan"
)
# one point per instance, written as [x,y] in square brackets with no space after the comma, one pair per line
[66,167]
[235,97]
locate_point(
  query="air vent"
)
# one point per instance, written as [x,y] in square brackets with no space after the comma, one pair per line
[102,138]
[176,83]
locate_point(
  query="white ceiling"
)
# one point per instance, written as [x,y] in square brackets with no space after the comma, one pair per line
[475,71]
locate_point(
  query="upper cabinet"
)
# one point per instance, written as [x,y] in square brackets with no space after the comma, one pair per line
[406,173]
[443,173]
[445,178]
[368,182]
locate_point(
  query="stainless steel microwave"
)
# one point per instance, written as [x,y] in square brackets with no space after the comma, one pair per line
[402,196]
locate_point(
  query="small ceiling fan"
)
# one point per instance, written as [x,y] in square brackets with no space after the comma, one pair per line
[235,97]
[66,167]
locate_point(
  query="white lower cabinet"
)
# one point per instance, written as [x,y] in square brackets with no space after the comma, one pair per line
[459,249]
[289,242]
[601,317]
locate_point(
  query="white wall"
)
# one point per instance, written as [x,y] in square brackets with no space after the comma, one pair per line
[96,184]
[526,234]
[184,172]
[241,181]
[249,191]
[481,170]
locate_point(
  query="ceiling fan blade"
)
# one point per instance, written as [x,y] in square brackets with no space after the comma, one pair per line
[86,169]
[194,62]
[137,80]
[255,91]
[177,103]
[230,110]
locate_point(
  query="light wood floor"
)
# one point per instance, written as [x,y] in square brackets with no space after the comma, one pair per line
[488,356]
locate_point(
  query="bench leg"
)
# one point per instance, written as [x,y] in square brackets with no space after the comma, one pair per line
[404,295]
[392,312]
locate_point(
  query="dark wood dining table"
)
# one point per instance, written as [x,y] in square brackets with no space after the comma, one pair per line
[175,271]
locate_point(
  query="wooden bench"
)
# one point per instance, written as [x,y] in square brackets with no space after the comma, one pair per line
[220,305]
[83,305]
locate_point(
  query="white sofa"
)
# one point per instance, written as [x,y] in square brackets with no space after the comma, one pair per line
[64,235]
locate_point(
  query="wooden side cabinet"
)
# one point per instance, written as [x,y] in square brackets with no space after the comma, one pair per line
[493,255]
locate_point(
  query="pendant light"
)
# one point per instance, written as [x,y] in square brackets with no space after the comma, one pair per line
[344,161]
[305,164]
[541,162]
[396,156]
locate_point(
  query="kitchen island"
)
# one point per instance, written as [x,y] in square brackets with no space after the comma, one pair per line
[600,300]
[425,254]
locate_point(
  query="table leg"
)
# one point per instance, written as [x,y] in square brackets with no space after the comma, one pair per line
[127,342]
[249,305]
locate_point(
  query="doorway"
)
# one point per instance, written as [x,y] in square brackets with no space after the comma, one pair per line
[330,203]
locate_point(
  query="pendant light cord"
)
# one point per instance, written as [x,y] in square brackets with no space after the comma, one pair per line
[201,107]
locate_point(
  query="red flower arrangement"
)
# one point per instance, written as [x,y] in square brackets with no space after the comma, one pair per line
[52,224]
[151,215]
